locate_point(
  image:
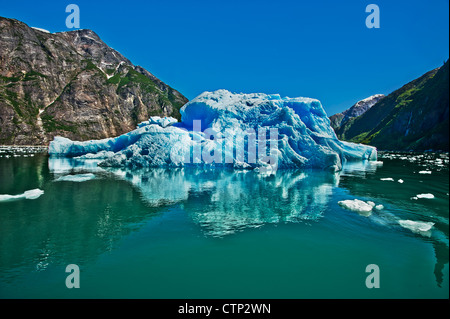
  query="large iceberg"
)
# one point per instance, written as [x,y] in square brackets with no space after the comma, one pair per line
[221,128]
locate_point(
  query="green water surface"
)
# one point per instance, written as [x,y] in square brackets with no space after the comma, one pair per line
[185,233]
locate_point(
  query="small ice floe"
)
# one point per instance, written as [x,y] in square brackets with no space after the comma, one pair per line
[76,178]
[359,206]
[422,228]
[428,196]
[31,194]
[387,179]
[400,181]
[425,172]
[379,207]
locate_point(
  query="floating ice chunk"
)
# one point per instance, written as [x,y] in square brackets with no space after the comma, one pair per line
[416,227]
[371,203]
[30,194]
[303,136]
[400,181]
[33,194]
[76,178]
[379,207]
[425,172]
[387,179]
[428,196]
[359,206]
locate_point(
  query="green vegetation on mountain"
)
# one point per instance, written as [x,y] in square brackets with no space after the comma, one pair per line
[414,117]
[72,84]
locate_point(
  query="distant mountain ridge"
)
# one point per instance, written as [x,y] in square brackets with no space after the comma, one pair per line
[72,84]
[357,109]
[414,117]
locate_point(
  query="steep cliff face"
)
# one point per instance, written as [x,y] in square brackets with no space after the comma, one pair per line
[414,117]
[356,110]
[72,84]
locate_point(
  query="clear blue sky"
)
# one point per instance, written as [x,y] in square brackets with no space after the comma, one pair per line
[318,49]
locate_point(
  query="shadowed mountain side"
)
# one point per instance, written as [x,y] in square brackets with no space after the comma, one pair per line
[414,117]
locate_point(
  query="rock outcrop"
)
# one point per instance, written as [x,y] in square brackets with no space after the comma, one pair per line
[72,84]
[356,110]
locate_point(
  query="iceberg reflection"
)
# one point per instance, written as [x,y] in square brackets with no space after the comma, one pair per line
[225,201]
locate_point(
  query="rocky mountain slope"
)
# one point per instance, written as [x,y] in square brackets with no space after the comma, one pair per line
[72,84]
[414,117]
[357,109]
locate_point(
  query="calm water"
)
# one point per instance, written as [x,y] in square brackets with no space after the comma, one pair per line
[223,234]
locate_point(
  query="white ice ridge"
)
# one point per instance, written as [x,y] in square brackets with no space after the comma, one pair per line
[221,128]
[76,178]
[416,227]
[40,29]
[163,122]
[31,194]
